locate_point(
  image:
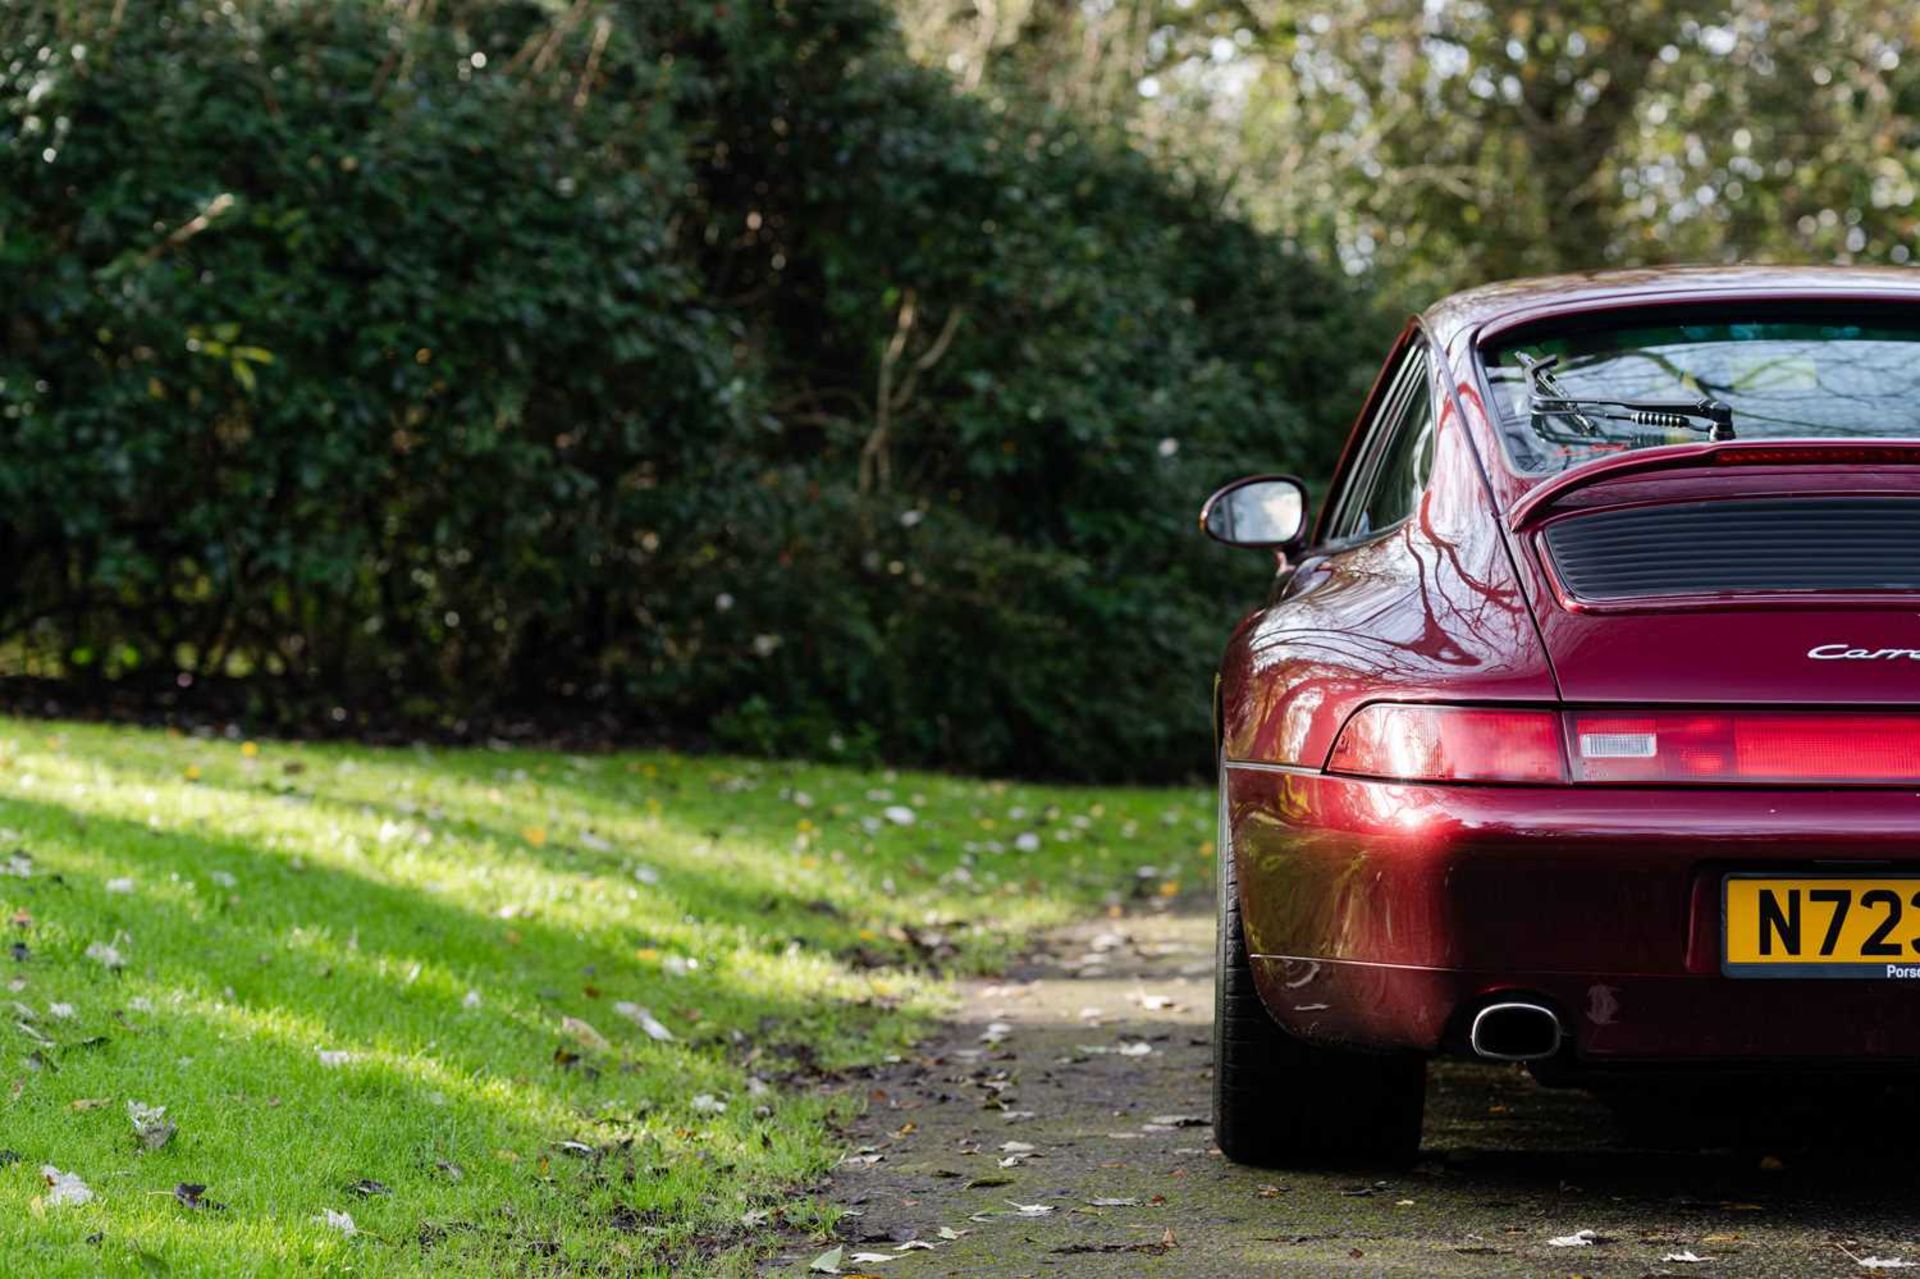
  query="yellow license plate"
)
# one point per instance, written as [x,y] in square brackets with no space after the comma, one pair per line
[1821,926]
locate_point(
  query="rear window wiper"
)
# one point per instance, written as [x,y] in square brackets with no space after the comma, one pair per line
[1547,398]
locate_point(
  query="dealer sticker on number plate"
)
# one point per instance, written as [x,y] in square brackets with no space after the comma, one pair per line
[1821,926]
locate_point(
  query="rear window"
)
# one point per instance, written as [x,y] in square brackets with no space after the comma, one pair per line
[1784,375]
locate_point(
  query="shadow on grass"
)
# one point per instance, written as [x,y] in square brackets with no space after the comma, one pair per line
[730,856]
[250,984]
[474,872]
[303,930]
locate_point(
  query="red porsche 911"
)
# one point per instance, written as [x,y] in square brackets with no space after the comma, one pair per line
[1582,724]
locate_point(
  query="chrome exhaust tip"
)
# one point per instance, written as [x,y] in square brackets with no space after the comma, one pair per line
[1515,1031]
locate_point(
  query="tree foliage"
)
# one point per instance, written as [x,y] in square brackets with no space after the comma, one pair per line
[710,369]
[1430,147]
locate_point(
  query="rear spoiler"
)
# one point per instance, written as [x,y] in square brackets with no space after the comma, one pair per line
[1532,507]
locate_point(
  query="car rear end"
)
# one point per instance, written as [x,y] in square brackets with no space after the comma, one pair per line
[1706,850]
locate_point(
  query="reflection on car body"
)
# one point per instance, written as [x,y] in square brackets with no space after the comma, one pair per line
[1583,682]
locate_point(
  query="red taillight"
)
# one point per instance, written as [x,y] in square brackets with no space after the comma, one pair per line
[1816,455]
[1401,742]
[1746,746]
[1450,744]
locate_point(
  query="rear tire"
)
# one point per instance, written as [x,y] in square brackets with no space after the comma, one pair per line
[1279,1101]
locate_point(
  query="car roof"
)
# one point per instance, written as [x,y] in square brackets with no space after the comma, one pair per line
[1511,301]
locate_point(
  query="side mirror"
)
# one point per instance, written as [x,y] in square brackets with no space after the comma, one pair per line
[1262,512]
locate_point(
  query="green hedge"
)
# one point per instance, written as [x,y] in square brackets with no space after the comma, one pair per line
[440,369]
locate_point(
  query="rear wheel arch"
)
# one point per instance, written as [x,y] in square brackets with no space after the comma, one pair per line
[1279,1101]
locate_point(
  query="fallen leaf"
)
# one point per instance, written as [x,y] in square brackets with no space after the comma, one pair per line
[585,1034]
[65,1189]
[644,1019]
[1686,1258]
[1031,1210]
[341,1221]
[151,1127]
[1113,1203]
[1578,1239]
[828,1262]
[192,1195]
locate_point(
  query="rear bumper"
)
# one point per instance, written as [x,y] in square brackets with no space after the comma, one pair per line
[1384,915]
[1607,1016]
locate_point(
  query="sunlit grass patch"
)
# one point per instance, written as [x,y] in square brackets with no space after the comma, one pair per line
[505,1010]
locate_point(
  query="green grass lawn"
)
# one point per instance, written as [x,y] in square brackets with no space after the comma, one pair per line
[407,986]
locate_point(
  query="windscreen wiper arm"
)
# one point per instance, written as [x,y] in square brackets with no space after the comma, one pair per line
[1547,398]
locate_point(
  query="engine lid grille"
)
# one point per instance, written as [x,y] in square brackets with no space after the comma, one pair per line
[1839,544]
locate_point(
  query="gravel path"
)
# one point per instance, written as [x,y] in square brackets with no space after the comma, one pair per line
[1059,1127]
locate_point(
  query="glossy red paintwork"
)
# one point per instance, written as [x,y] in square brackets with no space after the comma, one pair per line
[1390,911]
[1383,913]
[1731,465]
